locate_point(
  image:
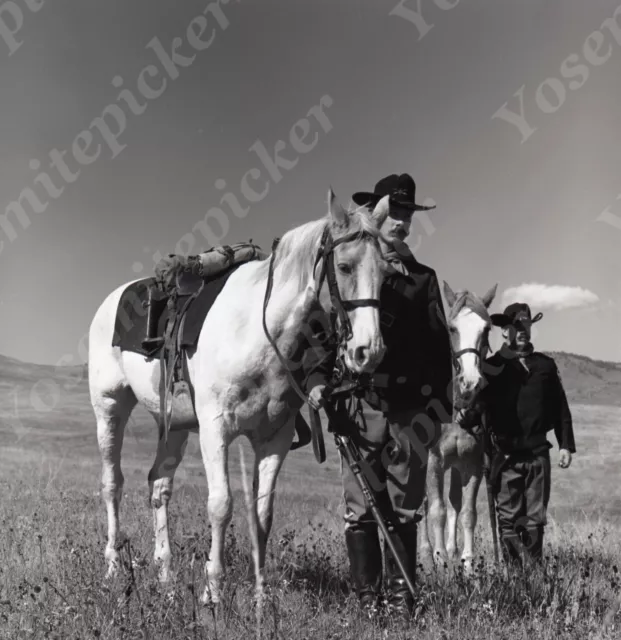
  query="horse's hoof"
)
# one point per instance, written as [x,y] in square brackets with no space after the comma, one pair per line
[113,570]
[210,598]
[165,576]
[440,560]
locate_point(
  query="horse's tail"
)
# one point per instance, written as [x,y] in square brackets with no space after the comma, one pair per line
[105,366]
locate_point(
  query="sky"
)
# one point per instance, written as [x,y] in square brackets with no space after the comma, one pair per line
[354,90]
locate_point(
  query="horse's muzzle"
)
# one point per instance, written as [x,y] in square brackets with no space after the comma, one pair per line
[364,359]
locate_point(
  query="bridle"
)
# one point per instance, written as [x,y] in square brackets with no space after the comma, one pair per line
[340,325]
[342,307]
[464,407]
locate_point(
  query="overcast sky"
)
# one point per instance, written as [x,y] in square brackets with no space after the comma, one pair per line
[518,197]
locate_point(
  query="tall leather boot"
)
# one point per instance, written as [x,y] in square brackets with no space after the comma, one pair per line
[155,306]
[365,561]
[512,547]
[400,600]
[532,539]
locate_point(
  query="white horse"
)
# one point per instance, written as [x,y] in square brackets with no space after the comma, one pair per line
[458,448]
[240,384]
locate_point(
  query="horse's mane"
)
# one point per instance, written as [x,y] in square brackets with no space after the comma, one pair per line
[470,301]
[298,247]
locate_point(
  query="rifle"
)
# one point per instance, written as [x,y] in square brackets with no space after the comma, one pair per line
[341,421]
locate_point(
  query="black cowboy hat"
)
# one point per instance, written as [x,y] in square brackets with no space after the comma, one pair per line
[513,314]
[400,188]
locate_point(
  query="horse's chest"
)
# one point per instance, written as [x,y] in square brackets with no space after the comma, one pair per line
[458,443]
[261,402]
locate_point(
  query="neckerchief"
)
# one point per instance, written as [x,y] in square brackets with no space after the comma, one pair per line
[520,352]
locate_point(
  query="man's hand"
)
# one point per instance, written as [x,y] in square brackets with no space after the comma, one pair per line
[315,397]
[564,458]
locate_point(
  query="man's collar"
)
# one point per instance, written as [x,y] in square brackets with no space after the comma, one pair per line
[400,259]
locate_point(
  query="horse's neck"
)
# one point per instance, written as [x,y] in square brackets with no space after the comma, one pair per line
[288,310]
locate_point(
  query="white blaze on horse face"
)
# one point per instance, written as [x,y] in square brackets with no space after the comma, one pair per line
[470,327]
[365,349]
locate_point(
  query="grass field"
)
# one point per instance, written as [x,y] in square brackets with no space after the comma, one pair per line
[52,527]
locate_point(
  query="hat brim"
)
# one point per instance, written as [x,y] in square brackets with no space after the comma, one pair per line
[502,320]
[365,198]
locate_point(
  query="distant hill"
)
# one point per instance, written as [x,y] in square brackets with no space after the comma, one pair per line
[589,381]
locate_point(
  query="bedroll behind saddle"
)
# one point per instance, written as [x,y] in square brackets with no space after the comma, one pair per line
[177,272]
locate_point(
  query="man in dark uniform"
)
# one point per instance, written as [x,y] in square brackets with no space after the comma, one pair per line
[524,399]
[412,389]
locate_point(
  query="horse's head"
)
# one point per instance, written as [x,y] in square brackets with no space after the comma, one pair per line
[469,325]
[354,272]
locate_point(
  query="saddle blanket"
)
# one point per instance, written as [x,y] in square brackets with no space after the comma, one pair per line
[131,316]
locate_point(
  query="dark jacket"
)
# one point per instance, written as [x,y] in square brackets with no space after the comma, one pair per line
[523,406]
[418,351]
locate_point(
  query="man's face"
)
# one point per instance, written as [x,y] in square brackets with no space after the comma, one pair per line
[518,332]
[397,225]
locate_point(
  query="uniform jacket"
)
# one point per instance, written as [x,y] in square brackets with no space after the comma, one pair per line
[523,406]
[415,334]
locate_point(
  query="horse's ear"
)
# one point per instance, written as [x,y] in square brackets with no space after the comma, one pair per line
[448,294]
[338,213]
[379,213]
[488,298]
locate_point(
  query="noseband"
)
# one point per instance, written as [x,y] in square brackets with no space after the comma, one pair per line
[458,354]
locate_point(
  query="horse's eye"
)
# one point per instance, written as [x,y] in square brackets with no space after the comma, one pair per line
[344,268]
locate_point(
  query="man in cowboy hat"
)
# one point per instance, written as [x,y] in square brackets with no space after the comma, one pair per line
[416,369]
[524,400]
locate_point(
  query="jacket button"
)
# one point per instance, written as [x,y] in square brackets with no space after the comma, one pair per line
[401,379]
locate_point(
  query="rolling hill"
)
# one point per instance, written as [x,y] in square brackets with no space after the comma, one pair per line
[586,381]
[47,409]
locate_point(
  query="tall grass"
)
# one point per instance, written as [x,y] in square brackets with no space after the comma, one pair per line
[52,568]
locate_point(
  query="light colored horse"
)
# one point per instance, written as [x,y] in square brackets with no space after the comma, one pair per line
[240,385]
[457,448]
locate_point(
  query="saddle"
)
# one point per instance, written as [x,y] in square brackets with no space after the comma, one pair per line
[179,281]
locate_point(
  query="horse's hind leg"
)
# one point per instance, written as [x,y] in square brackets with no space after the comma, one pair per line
[269,457]
[112,409]
[168,457]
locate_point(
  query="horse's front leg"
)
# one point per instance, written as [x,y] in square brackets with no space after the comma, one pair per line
[214,451]
[454,509]
[437,508]
[168,457]
[471,483]
[269,457]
